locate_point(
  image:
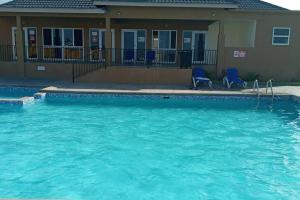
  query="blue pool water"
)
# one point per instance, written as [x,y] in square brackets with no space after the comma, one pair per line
[131,148]
[16,92]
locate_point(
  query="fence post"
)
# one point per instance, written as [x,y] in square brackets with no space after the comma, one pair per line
[73,73]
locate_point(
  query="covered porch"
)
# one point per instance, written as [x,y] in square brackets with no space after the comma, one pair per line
[115,41]
[55,47]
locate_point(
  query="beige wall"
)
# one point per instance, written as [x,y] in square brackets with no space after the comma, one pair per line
[282,63]
[10,70]
[6,23]
[53,71]
[138,75]
[212,36]
[240,33]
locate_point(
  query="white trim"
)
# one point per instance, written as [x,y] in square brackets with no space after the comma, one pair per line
[62,46]
[181,5]
[281,36]
[14,42]
[54,10]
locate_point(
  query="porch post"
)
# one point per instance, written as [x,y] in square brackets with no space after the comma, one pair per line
[20,46]
[108,41]
[149,39]
[221,46]
[179,39]
[178,46]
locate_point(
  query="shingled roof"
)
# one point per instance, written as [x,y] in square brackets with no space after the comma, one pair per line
[91,4]
[71,4]
[257,5]
[241,4]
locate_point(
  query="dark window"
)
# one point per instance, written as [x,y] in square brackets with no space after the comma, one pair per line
[78,40]
[47,37]
[280,40]
[68,37]
[173,39]
[281,36]
[103,39]
[57,37]
[282,31]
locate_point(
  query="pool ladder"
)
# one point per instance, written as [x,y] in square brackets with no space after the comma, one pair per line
[270,85]
[256,88]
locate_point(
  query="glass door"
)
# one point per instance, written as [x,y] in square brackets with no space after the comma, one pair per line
[198,47]
[164,43]
[195,41]
[133,46]
[31,43]
[97,45]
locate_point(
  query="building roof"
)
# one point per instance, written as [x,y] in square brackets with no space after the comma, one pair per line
[92,4]
[257,5]
[240,4]
[67,4]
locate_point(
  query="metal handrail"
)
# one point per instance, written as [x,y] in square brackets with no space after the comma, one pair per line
[256,87]
[270,85]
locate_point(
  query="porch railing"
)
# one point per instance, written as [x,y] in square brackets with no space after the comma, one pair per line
[8,53]
[64,54]
[119,57]
[163,57]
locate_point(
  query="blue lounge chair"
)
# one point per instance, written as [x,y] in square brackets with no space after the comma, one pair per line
[199,77]
[150,57]
[128,55]
[232,77]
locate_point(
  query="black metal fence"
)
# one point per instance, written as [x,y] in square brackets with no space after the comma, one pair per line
[119,57]
[82,68]
[163,57]
[8,53]
[64,54]
[88,59]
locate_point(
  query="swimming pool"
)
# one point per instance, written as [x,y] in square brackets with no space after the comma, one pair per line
[122,147]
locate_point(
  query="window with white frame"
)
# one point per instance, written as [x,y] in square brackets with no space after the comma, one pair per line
[63,43]
[165,42]
[281,36]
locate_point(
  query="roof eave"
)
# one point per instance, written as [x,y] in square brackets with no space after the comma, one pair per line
[54,10]
[171,5]
[284,11]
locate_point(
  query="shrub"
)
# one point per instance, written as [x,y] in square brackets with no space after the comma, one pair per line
[251,77]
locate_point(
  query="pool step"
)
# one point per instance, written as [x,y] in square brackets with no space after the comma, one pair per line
[17,102]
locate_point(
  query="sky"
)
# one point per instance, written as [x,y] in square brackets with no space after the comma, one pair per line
[289,4]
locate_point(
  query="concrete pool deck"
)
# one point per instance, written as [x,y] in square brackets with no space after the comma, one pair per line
[281,91]
[219,90]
